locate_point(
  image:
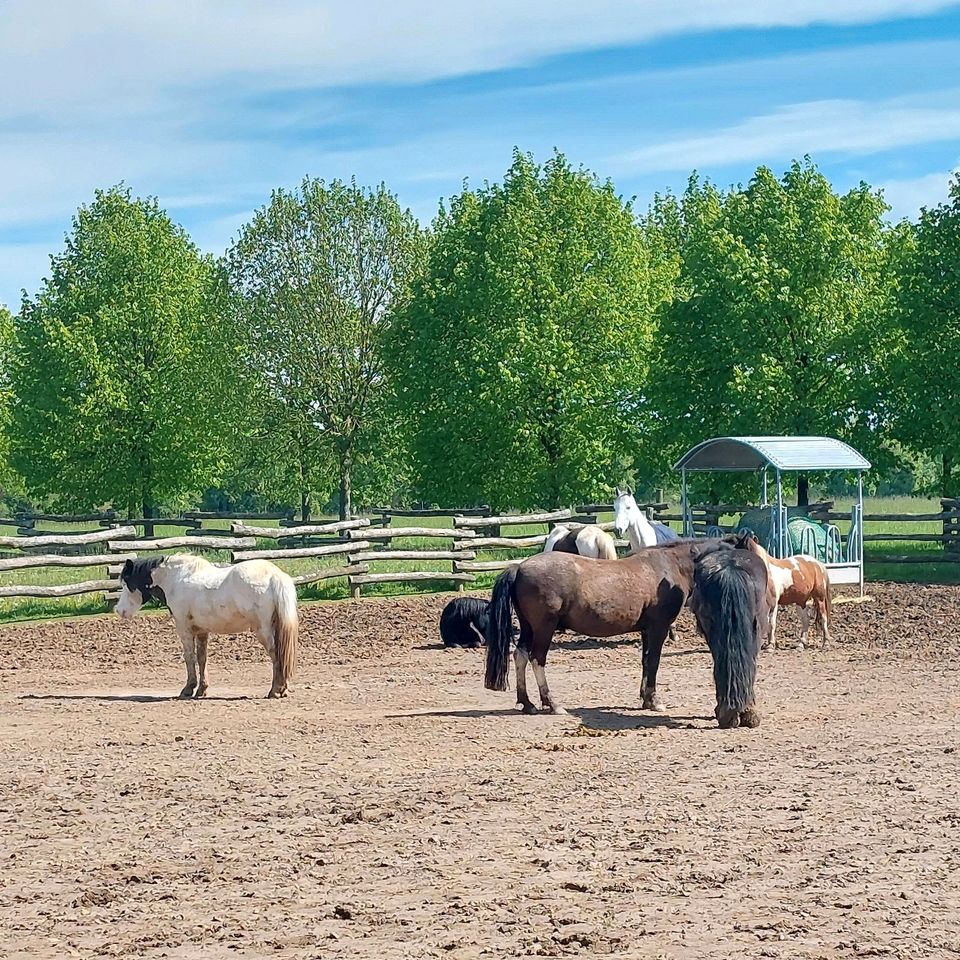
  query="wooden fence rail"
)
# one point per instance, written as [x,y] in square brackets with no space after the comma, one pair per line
[476,542]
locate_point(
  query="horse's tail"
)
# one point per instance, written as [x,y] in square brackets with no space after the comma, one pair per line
[733,639]
[500,630]
[286,624]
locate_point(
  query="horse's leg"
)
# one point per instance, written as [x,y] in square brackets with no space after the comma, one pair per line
[673,633]
[521,657]
[190,659]
[804,626]
[653,640]
[278,685]
[201,642]
[821,606]
[773,627]
[538,655]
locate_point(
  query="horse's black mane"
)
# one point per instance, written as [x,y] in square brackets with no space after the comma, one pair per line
[138,575]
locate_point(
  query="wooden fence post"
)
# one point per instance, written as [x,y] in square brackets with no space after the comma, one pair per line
[951,527]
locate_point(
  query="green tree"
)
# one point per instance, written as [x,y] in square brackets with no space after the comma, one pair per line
[926,371]
[122,387]
[522,356]
[781,322]
[9,482]
[316,277]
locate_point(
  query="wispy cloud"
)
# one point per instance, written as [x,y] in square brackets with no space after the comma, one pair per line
[822,127]
[104,55]
[209,105]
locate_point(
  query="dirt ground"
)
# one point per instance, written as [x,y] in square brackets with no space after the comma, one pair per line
[391,807]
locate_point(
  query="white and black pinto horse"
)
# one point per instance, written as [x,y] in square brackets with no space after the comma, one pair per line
[586,541]
[203,598]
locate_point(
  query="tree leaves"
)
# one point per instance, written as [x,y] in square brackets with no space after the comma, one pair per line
[780,323]
[925,371]
[523,351]
[316,275]
[118,375]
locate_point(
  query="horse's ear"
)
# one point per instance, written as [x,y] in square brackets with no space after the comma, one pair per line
[128,567]
[629,490]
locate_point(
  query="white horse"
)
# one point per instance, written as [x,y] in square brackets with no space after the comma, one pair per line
[629,519]
[254,595]
[587,541]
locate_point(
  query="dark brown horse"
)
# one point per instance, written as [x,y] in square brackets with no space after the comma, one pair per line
[600,598]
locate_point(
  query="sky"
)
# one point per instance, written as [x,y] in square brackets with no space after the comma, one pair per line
[211,104]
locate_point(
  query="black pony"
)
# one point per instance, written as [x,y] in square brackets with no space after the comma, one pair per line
[463,622]
[729,601]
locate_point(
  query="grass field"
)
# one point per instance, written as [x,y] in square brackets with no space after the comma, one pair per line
[876,569]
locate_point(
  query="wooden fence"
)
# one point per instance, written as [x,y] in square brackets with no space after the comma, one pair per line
[475,542]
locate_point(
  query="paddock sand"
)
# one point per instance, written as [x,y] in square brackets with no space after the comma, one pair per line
[391,807]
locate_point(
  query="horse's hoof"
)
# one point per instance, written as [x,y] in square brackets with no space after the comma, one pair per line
[276,694]
[652,703]
[201,692]
[750,718]
[186,693]
[726,718]
[528,708]
[558,712]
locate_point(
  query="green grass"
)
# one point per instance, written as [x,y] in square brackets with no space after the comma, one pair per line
[21,609]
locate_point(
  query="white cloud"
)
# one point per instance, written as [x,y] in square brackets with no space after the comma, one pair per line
[821,127]
[907,196]
[104,55]
[157,94]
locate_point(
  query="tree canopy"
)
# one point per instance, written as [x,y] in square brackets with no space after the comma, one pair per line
[521,358]
[8,478]
[926,371]
[316,275]
[779,322]
[122,391]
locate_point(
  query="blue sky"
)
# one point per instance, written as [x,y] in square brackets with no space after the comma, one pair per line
[211,104]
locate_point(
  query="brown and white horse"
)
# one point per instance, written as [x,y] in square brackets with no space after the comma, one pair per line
[799,581]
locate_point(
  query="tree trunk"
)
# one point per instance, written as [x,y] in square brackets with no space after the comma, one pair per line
[305,505]
[803,491]
[346,489]
[947,486]
[147,512]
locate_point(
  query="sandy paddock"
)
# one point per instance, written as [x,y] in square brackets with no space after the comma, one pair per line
[391,807]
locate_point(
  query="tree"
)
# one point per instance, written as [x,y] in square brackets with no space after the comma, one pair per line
[781,322]
[122,389]
[316,275]
[926,370]
[9,482]
[521,358]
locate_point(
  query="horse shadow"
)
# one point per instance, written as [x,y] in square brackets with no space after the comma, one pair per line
[594,718]
[610,718]
[127,698]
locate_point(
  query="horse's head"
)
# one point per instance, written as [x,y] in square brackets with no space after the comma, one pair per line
[137,587]
[625,511]
[743,539]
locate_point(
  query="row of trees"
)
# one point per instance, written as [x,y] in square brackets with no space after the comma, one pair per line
[540,342]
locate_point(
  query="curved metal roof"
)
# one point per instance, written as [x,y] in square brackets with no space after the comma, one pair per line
[782,453]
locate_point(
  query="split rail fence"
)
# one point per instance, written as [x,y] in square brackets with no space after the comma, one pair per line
[475,542]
